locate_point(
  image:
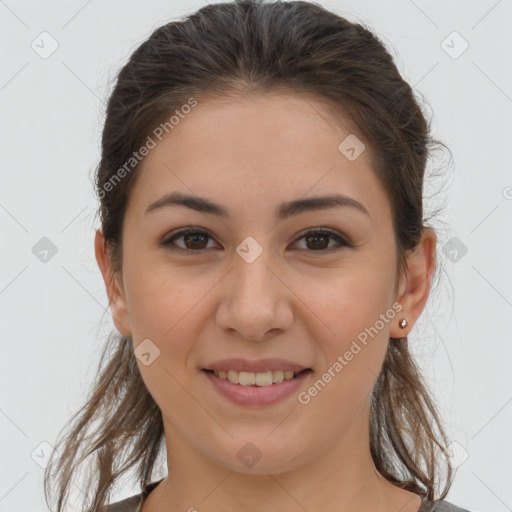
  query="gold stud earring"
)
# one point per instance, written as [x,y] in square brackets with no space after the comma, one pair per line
[403,323]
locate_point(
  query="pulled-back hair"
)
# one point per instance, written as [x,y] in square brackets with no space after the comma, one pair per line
[246,47]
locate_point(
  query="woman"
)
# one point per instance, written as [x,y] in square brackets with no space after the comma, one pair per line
[265,255]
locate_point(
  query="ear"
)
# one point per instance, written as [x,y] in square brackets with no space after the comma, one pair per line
[414,285]
[114,286]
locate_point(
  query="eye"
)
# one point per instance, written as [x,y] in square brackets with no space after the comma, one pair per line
[317,238]
[195,240]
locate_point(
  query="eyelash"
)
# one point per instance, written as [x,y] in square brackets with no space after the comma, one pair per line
[169,241]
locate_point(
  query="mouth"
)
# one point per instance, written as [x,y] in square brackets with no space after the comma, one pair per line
[258,379]
[251,389]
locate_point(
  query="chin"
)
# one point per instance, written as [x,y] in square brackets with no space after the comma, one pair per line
[261,456]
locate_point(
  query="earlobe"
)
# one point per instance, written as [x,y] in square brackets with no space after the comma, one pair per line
[114,288]
[415,284]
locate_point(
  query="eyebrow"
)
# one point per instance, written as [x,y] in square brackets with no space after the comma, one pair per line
[285,210]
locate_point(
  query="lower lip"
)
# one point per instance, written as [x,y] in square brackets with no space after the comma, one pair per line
[256,395]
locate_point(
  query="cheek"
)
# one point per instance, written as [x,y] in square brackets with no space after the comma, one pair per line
[355,316]
[160,297]
[349,303]
[163,307]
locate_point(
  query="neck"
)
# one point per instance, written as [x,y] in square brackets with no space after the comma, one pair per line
[343,478]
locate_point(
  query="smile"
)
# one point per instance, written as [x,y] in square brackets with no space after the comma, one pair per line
[256,379]
[256,389]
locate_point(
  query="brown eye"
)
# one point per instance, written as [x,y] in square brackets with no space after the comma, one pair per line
[193,240]
[196,240]
[318,240]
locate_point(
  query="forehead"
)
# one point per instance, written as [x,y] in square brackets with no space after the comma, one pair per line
[258,149]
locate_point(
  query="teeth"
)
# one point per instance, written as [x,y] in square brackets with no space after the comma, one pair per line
[258,379]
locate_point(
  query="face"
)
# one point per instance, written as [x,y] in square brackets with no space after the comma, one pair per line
[261,281]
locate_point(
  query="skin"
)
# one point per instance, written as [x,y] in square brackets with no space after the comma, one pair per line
[297,300]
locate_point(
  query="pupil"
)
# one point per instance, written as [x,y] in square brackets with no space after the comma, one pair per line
[315,238]
[194,236]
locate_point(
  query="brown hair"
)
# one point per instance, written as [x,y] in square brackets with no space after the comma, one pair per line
[243,47]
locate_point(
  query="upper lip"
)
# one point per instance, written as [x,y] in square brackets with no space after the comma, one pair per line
[259,366]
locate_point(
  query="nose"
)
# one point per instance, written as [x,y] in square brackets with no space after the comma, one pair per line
[255,300]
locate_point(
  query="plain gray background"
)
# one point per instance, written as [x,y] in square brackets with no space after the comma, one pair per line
[52,313]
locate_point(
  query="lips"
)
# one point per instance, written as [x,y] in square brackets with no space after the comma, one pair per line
[260,393]
[258,366]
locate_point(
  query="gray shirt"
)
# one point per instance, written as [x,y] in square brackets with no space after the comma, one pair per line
[134,503]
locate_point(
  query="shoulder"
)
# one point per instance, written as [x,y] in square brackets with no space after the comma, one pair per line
[131,504]
[440,506]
